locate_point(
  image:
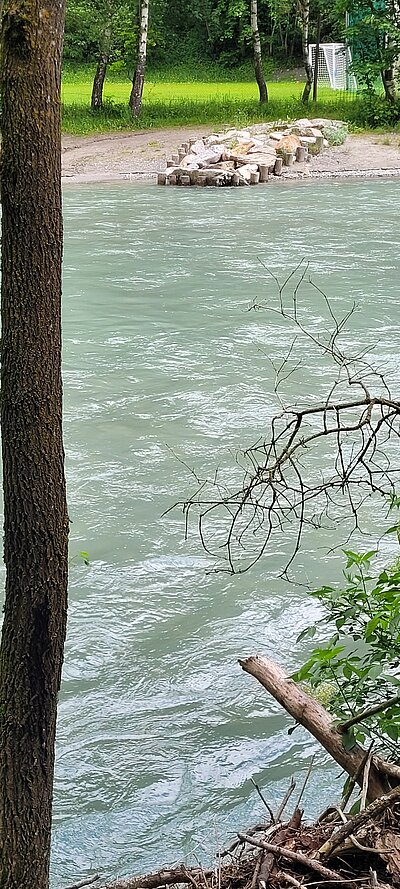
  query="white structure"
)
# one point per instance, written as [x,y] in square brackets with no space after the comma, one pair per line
[334,60]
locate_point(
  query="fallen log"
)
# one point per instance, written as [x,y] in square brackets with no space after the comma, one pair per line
[316,720]
[165,877]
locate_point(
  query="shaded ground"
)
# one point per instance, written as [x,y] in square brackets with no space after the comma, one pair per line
[141,154]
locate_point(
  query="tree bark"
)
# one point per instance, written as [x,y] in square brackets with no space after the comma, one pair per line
[389,85]
[258,67]
[304,10]
[96,103]
[35,513]
[135,99]
[315,719]
[316,63]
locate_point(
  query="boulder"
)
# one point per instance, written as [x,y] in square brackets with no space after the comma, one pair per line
[288,144]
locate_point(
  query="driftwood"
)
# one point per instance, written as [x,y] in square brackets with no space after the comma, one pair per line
[350,827]
[165,877]
[316,720]
[307,862]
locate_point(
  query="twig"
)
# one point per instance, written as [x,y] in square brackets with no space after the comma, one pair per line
[364,791]
[370,711]
[376,808]
[85,882]
[262,798]
[306,780]
[285,800]
[267,829]
[257,869]
[282,876]
[309,863]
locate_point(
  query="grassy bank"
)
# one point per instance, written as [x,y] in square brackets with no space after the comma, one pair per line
[210,103]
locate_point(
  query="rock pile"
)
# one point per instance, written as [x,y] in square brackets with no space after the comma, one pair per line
[248,156]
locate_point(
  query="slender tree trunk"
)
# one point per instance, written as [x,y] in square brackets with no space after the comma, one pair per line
[35,513]
[389,84]
[304,10]
[316,64]
[96,103]
[135,99]
[262,87]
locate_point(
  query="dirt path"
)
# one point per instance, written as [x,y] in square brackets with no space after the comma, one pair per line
[140,155]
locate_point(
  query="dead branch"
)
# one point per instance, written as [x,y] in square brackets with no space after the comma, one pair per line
[86,882]
[370,711]
[166,877]
[280,490]
[314,718]
[298,857]
[376,808]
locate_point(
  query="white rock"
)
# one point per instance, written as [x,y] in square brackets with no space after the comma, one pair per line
[246,170]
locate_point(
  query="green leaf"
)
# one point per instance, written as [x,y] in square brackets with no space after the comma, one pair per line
[348,741]
[308,633]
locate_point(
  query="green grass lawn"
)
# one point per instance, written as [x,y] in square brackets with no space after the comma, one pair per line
[179,103]
[79,92]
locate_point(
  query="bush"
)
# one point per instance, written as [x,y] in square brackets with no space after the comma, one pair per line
[360,662]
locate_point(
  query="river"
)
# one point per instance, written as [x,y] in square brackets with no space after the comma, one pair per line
[165,370]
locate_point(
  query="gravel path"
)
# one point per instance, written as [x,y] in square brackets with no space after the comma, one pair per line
[139,155]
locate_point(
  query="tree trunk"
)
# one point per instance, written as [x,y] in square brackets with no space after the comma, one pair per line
[258,68]
[135,99]
[389,85]
[316,63]
[35,513]
[304,10]
[96,103]
[315,719]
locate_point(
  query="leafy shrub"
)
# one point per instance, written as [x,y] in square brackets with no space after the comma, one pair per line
[336,135]
[360,661]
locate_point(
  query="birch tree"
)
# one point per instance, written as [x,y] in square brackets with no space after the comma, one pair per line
[135,99]
[304,13]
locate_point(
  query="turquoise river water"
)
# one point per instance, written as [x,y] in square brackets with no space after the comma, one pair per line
[165,368]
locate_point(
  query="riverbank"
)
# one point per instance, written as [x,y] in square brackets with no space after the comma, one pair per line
[140,155]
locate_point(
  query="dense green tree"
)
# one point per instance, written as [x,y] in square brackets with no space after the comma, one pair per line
[35,511]
[374,34]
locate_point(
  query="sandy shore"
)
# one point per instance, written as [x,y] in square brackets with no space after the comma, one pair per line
[140,155]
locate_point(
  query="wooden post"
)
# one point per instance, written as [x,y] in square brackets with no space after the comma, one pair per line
[235,178]
[288,158]
[161,179]
[263,173]
[185,179]
[254,178]
[319,144]
[172,179]
[278,166]
[300,154]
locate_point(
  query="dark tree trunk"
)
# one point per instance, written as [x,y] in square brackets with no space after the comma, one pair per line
[304,10]
[135,99]
[316,63]
[389,85]
[258,68]
[96,103]
[35,513]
